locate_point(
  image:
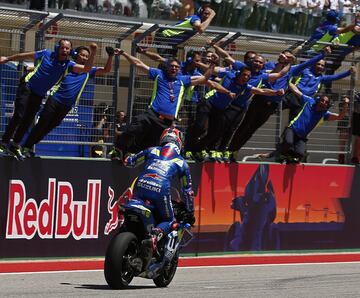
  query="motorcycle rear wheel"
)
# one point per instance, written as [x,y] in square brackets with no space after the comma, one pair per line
[167,274]
[117,270]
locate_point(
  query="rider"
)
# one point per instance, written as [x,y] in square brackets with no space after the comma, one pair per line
[162,164]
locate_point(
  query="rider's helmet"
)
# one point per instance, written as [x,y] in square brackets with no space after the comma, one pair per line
[172,135]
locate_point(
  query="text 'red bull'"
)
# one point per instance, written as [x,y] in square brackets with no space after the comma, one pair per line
[58,216]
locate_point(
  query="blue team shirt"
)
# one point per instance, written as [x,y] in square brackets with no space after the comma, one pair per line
[179,35]
[167,93]
[48,71]
[283,82]
[308,118]
[324,28]
[71,86]
[309,82]
[191,93]
[221,100]
[354,42]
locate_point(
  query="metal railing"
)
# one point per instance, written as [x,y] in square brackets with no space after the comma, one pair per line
[20,31]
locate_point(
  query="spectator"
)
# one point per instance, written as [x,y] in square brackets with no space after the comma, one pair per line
[50,68]
[165,9]
[64,95]
[102,126]
[120,122]
[293,146]
[343,129]
[316,8]
[355,130]
[302,17]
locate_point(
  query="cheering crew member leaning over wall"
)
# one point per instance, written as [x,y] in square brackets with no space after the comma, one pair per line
[169,87]
[49,69]
[64,95]
[314,110]
[198,23]
[262,107]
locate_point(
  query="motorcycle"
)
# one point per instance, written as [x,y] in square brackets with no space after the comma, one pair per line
[129,254]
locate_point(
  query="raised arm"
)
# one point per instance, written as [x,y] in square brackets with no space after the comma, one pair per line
[343,112]
[267,92]
[18,57]
[296,69]
[277,75]
[201,80]
[133,60]
[200,27]
[338,76]
[345,29]
[220,88]
[295,90]
[152,55]
[133,160]
[100,71]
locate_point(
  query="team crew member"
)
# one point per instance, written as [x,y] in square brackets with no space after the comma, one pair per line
[309,83]
[262,107]
[326,32]
[314,111]
[49,69]
[201,124]
[235,111]
[162,165]
[218,102]
[198,23]
[352,40]
[64,95]
[169,88]
[187,67]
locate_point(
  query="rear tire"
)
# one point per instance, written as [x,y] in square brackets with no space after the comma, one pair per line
[117,270]
[167,273]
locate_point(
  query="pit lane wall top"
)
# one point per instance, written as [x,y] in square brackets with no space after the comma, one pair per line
[61,208]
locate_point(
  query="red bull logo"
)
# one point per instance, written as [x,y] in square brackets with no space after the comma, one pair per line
[113,209]
[58,216]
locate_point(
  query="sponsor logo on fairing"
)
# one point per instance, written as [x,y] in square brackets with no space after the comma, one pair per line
[58,216]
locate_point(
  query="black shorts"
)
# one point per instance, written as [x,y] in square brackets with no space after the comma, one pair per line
[355,124]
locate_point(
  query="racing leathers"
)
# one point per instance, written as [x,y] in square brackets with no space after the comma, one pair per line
[162,164]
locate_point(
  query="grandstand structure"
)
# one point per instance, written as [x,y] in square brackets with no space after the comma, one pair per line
[125,88]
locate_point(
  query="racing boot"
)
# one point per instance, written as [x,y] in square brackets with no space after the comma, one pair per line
[115,154]
[28,152]
[189,156]
[3,150]
[16,152]
[226,156]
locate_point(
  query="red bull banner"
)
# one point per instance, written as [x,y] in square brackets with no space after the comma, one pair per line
[59,208]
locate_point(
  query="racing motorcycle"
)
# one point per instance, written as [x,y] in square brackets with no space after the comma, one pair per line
[129,254]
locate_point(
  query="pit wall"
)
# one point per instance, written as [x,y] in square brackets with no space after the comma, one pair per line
[62,207]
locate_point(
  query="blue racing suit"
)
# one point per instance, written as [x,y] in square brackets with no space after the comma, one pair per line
[162,164]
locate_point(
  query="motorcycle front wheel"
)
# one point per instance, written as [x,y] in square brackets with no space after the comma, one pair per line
[168,272]
[121,250]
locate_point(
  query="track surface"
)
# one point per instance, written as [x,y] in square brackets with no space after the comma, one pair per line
[292,280]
